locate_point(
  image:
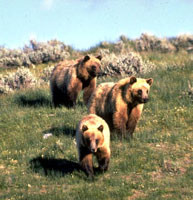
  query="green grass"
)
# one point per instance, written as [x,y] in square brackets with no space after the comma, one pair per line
[156,164]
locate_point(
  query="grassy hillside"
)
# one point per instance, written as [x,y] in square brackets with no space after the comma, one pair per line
[156,164]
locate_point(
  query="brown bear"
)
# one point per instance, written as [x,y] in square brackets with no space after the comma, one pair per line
[120,104]
[70,77]
[93,138]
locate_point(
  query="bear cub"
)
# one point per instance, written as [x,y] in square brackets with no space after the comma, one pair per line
[93,138]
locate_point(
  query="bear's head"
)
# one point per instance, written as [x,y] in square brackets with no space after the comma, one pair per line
[89,67]
[93,137]
[136,90]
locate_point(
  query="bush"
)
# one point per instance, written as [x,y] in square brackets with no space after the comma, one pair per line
[183,42]
[4,87]
[123,64]
[47,73]
[151,43]
[22,78]
[35,53]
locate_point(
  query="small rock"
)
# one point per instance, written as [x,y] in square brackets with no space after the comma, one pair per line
[47,135]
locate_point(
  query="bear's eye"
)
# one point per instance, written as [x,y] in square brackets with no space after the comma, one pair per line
[139,92]
[147,91]
[97,141]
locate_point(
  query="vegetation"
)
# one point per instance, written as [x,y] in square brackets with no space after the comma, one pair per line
[54,50]
[39,159]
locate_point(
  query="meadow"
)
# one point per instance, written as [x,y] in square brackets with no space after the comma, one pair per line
[156,164]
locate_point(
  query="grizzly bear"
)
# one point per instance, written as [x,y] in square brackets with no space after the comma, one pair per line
[93,138]
[120,104]
[70,77]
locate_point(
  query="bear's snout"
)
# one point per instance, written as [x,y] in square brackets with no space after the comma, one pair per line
[94,71]
[94,68]
[93,147]
[93,150]
[145,100]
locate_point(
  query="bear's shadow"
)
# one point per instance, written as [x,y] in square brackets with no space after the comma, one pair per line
[40,99]
[61,130]
[52,166]
[36,101]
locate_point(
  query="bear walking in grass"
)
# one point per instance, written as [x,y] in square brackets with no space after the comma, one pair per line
[120,104]
[70,77]
[93,138]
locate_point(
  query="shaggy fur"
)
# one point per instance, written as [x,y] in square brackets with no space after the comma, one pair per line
[93,138]
[70,77]
[120,104]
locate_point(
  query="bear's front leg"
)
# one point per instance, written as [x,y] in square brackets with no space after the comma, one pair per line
[73,93]
[87,164]
[72,98]
[103,164]
[133,118]
[103,157]
[89,90]
[119,122]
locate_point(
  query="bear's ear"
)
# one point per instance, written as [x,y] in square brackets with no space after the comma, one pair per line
[100,128]
[149,81]
[86,58]
[84,128]
[133,79]
[99,57]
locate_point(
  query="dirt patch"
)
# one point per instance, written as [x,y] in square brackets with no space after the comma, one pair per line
[136,194]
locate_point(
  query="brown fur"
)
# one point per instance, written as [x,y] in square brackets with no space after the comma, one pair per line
[90,129]
[70,77]
[120,104]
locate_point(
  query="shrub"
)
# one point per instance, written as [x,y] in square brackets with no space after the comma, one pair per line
[47,73]
[183,42]
[35,53]
[151,43]
[22,78]
[123,64]
[4,87]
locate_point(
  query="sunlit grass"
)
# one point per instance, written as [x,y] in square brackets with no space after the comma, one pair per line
[156,164]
